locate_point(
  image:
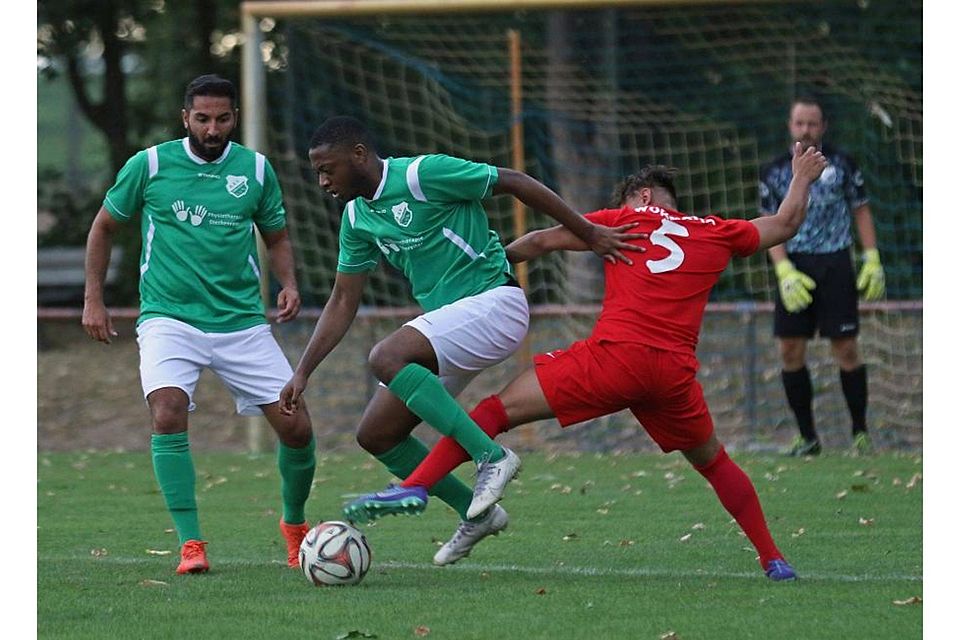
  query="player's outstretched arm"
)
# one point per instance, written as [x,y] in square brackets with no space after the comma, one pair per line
[335,319]
[536,243]
[776,229]
[281,263]
[96,319]
[606,242]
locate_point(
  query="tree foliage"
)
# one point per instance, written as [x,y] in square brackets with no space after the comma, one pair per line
[128,61]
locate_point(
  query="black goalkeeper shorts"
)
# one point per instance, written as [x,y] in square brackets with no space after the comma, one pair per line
[834,311]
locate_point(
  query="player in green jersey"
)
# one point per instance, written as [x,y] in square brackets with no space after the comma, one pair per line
[199,199]
[424,215]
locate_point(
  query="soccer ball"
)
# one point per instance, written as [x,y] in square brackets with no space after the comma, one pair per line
[334,553]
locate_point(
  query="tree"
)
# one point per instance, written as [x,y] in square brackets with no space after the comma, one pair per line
[127,63]
[138,54]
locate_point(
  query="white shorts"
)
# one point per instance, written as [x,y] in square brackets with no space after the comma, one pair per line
[475,333]
[250,362]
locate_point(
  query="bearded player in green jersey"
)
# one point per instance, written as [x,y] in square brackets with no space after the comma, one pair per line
[199,199]
[424,215]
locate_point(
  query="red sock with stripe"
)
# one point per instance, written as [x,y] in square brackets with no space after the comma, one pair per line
[739,498]
[447,455]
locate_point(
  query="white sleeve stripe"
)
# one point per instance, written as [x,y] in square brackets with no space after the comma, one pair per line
[153,161]
[341,263]
[261,167]
[489,178]
[116,209]
[352,214]
[413,179]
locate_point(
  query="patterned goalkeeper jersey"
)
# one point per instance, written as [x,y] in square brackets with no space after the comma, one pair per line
[833,198]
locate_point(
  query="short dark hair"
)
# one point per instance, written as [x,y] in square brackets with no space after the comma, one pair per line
[808,100]
[652,175]
[340,131]
[210,85]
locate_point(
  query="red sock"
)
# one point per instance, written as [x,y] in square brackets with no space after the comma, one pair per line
[447,455]
[738,496]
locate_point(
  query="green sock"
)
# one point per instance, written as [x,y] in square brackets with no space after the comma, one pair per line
[404,458]
[296,477]
[424,394]
[173,467]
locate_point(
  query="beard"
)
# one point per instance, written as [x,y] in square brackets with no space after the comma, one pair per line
[806,143]
[208,148]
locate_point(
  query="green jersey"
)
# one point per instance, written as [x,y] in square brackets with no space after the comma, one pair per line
[199,258]
[426,219]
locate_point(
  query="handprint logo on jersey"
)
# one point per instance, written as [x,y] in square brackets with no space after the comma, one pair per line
[180,210]
[198,215]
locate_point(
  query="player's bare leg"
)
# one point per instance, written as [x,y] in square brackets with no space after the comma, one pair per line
[174,470]
[406,362]
[296,460]
[739,497]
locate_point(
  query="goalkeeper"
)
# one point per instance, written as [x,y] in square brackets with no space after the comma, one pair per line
[817,288]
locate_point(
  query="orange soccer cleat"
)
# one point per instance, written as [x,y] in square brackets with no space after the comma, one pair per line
[193,557]
[293,534]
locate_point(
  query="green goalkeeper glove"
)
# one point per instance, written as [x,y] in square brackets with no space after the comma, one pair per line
[871,280]
[795,286]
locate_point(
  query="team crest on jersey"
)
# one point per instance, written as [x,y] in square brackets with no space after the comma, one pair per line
[237,186]
[402,214]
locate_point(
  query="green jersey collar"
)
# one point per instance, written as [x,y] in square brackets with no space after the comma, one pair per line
[223,156]
[383,181]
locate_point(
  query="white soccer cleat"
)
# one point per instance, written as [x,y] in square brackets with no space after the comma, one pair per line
[492,479]
[468,534]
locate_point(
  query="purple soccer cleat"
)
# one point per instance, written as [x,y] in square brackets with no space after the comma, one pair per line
[394,500]
[780,571]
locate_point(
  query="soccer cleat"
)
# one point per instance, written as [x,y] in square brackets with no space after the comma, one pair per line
[779,570]
[862,446]
[293,534]
[801,447]
[492,479]
[468,534]
[193,557]
[394,500]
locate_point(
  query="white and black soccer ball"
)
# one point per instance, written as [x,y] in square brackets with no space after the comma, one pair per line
[334,553]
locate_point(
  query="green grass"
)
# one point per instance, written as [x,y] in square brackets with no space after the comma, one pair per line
[594,550]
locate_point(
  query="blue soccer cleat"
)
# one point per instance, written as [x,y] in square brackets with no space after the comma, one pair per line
[394,500]
[780,571]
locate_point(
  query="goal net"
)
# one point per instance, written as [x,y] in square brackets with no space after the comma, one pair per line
[600,92]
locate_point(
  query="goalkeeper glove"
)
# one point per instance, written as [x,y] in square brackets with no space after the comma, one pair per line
[795,286]
[871,280]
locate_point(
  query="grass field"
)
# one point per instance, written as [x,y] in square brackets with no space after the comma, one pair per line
[598,547]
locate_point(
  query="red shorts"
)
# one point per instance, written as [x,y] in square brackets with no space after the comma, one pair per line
[594,378]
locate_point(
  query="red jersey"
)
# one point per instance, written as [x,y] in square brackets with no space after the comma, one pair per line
[659,300]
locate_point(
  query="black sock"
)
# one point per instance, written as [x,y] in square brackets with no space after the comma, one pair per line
[854,384]
[800,398]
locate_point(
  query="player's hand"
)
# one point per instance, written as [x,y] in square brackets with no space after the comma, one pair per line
[290,394]
[807,165]
[288,304]
[608,242]
[795,286]
[871,282]
[97,323]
